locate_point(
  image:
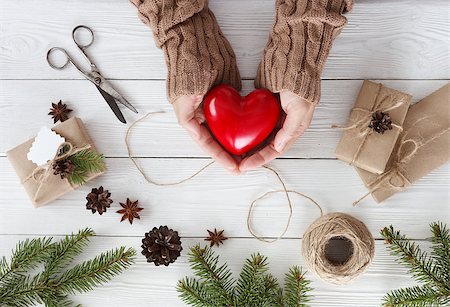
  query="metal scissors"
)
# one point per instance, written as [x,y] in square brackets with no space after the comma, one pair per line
[104,87]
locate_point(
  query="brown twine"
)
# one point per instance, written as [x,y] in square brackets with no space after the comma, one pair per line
[338,225]
[315,238]
[139,168]
[362,124]
[42,172]
[396,171]
[253,204]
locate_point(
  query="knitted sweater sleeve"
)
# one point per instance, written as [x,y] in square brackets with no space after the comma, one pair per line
[197,54]
[299,45]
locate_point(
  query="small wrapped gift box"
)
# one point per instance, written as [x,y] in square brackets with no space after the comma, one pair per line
[41,184]
[423,146]
[373,128]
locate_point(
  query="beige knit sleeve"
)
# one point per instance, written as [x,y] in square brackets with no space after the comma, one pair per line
[198,56]
[299,45]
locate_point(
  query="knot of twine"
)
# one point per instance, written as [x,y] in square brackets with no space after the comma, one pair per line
[65,150]
[395,177]
[343,226]
[362,121]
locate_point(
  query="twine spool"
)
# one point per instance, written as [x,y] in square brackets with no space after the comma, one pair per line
[338,226]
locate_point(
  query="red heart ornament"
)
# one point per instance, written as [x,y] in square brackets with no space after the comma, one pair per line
[240,123]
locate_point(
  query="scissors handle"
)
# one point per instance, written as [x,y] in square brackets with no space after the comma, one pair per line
[83,46]
[54,65]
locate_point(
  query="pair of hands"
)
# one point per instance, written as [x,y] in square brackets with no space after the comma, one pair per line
[299,114]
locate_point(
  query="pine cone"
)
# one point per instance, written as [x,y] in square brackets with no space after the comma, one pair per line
[64,168]
[98,200]
[380,122]
[161,246]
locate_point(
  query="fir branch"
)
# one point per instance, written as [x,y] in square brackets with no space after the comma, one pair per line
[296,288]
[251,283]
[193,292]
[92,273]
[431,271]
[441,249]
[52,286]
[216,278]
[64,251]
[86,162]
[255,287]
[421,265]
[418,296]
[26,255]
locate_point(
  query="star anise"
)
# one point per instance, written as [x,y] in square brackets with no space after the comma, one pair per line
[59,112]
[216,237]
[130,210]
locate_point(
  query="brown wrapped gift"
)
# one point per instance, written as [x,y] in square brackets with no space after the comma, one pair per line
[360,145]
[423,146]
[48,188]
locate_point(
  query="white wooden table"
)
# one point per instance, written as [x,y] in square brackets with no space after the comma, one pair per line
[404,43]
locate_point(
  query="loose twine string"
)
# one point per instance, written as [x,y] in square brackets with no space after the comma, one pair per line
[314,244]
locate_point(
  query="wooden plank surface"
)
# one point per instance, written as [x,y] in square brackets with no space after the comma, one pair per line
[217,199]
[147,285]
[398,39]
[403,43]
[28,102]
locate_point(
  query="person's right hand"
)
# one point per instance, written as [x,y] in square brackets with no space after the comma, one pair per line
[190,116]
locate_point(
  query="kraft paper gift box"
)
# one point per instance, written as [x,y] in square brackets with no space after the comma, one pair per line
[423,146]
[360,145]
[44,190]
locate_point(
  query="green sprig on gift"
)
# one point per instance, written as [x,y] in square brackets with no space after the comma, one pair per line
[52,284]
[255,286]
[77,167]
[432,271]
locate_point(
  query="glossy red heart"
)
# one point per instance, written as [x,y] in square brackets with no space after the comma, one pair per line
[240,123]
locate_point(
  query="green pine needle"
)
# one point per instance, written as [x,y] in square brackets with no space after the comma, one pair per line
[26,256]
[296,288]
[191,290]
[65,251]
[218,278]
[255,286]
[92,273]
[86,162]
[51,286]
[432,271]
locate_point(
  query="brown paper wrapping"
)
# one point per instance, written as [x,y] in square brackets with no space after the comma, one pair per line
[422,147]
[359,145]
[53,187]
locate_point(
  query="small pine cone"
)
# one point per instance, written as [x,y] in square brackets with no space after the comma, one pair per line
[161,246]
[64,168]
[380,122]
[98,200]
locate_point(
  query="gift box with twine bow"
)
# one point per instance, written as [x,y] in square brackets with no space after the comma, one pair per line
[423,146]
[375,123]
[40,183]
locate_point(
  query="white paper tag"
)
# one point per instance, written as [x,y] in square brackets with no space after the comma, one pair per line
[45,146]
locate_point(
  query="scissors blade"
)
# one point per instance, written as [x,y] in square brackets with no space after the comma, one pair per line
[107,87]
[112,104]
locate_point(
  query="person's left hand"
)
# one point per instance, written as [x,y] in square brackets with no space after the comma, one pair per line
[299,114]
